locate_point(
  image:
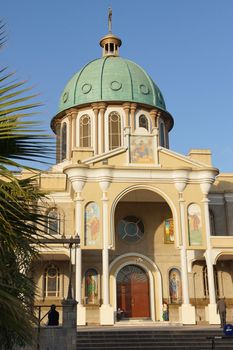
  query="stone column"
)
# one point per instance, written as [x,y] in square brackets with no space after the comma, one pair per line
[155,133]
[105,258]
[211,309]
[187,311]
[96,112]
[228,197]
[74,131]
[183,255]
[78,230]
[58,143]
[153,114]
[79,214]
[69,136]
[132,116]
[126,107]
[102,108]
[106,310]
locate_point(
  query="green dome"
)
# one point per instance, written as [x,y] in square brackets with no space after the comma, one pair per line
[111,79]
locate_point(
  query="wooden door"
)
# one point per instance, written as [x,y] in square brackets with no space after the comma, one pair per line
[133,292]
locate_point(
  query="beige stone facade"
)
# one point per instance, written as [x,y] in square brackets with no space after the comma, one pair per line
[155,226]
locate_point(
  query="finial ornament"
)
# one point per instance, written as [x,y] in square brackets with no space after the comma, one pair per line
[110,20]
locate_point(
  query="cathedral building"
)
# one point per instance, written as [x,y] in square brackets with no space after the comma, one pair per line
[155,226]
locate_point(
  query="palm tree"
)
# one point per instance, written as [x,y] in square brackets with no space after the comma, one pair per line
[21,222]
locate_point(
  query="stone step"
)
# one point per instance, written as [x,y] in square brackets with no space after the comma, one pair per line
[152,339]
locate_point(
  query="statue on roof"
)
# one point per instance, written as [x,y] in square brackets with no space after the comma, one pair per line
[110,20]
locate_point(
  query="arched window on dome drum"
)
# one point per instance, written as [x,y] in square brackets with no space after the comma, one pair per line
[63,141]
[85,131]
[114,129]
[162,137]
[51,281]
[53,222]
[143,122]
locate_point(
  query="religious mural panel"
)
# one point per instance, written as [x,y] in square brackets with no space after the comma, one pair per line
[92,224]
[141,149]
[91,286]
[194,225]
[175,286]
[169,231]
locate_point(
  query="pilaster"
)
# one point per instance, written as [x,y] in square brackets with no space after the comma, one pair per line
[211,309]
[133,108]
[95,109]
[186,310]
[126,107]
[102,109]
[106,310]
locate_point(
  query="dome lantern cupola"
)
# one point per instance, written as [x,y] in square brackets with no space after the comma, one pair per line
[110,42]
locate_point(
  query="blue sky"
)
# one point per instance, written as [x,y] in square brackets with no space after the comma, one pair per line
[186,46]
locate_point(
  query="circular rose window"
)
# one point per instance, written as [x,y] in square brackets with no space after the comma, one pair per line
[131,229]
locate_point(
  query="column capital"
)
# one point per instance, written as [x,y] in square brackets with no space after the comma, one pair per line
[153,113]
[206,186]
[68,114]
[56,123]
[102,106]
[104,185]
[95,107]
[133,106]
[180,178]
[78,184]
[126,105]
[73,110]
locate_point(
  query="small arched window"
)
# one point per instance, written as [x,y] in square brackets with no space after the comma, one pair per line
[85,131]
[52,281]
[114,128]
[143,122]
[63,141]
[53,222]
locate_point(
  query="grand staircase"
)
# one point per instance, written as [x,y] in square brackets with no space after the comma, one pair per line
[156,339]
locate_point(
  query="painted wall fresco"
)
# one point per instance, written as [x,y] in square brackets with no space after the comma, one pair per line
[92,224]
[141,149]
[194,224]
[169,231]
[91,286]
[175,286]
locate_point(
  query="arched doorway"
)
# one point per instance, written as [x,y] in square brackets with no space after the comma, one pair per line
[133,292]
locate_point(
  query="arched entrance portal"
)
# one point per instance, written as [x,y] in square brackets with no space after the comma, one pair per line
[133,292]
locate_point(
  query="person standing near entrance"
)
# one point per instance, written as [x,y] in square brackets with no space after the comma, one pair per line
[53,316]
[221,310]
